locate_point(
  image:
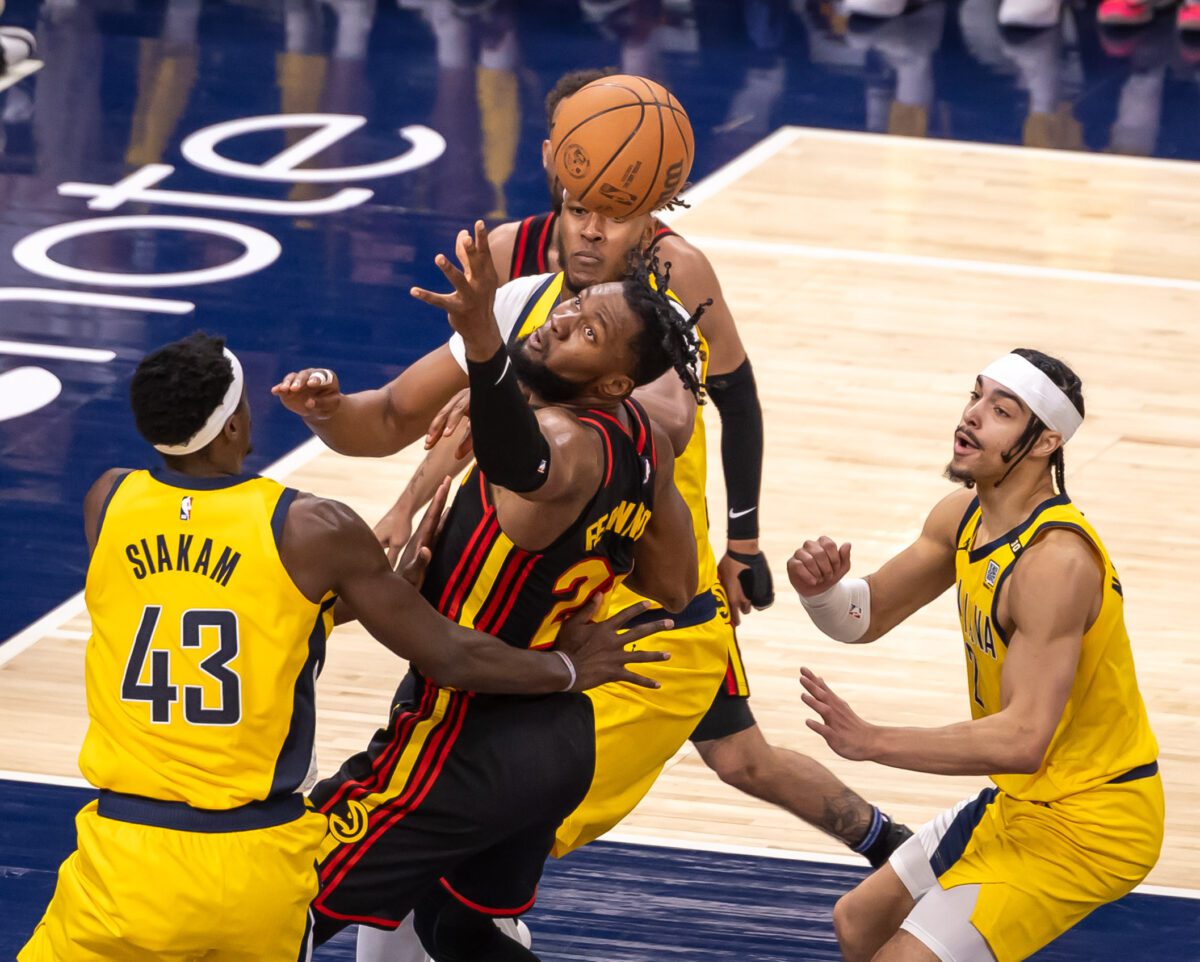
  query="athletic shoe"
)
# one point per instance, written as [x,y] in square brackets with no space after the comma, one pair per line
[1188,17]
[879,9]
[1032,14]
[1129,13]
[16,45]
[516,930]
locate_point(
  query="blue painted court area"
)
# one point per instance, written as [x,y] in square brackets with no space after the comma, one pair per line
[616,902]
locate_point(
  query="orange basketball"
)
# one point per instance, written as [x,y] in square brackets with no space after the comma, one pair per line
[622,145]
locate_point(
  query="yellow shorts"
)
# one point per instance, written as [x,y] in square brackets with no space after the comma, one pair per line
[1040,868]
[639,729]
[140,893]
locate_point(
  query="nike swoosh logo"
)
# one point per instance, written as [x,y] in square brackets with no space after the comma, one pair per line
[507,365]
[738,514]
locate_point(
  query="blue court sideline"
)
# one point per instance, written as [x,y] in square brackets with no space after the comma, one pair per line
[614,902]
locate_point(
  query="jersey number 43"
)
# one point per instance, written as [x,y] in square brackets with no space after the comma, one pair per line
[159,690]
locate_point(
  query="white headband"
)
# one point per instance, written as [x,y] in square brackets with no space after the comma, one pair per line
[216,421]
[1043,397]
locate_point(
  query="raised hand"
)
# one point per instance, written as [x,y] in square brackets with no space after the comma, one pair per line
[447,421]
[600,654]
[840,726]
[419,550]
[818,565]
[469,305]
[311,393]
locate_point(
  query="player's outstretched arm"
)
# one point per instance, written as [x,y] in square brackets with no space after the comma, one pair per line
[378,422]
[665,565]
[326,546]
[1053,598]
[858,610]
[743,568]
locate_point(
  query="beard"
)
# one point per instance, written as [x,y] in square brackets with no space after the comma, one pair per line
[965,478]
[535,375]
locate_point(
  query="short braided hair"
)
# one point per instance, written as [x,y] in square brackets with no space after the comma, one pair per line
[667,339]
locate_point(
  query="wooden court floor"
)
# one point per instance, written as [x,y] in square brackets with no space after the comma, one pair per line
[872,277]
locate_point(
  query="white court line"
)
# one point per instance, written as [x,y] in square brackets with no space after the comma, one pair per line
[19,72]
[652,841]
[725,848]
[26,349]
[737,168]
[817,252]
[1010,150]
[706,188]
[74,605]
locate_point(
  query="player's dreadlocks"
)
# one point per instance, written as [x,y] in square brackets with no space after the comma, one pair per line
[1068,382]
[667,339]
[177,387]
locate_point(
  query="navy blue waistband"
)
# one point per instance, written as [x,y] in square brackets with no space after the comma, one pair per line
[1142,771]
[700,609]
[184,818]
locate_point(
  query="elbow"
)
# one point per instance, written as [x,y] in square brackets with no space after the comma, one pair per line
[1025,754]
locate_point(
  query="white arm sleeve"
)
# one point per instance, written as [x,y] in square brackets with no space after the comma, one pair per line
[511,299]
[843,612]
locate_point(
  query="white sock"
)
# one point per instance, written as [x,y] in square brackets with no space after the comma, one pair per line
[380,945]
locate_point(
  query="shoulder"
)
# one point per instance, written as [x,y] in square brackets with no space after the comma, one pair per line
[95,499]
[947,517]
[1060,554]
[314,519]
[502,239]
[512,297]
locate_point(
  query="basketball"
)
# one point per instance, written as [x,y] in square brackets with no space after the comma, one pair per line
[622,145]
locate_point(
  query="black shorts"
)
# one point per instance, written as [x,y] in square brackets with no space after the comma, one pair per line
[461,790]
[728,714]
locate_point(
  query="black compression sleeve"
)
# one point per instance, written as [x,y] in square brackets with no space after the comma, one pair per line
[508,441]
[736,398]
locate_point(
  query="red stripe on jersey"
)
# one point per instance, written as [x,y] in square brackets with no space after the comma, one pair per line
[476,535]
[515,593]
[607,447]
[460,595]
[512,564]
[384,763]
[484,910]
[432,761]
[519,257]
[541,253]
[616,421]
[730,681]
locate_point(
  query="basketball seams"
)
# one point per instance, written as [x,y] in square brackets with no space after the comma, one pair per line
[634,145]
[616,153]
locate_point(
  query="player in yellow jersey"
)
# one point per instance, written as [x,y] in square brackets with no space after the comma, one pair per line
[211,593]
[1075,818]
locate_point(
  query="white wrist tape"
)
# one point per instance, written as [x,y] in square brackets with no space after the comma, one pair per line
[843,612]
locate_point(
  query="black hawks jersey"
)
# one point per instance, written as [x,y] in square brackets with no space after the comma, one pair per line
[531,252]
[479,578]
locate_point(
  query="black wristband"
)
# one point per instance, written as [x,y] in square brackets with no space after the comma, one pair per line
[736,397]
[505,433]
[756,581]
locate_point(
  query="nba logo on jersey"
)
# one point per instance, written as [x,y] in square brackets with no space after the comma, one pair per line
[989,576]
[185,508]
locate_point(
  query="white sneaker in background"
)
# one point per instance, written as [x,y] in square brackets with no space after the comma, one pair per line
[881,9]
[1034,14]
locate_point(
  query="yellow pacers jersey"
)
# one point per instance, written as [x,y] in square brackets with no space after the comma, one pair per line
[1104,731]
[204,653]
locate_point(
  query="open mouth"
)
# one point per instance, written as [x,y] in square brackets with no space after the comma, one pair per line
[964,443]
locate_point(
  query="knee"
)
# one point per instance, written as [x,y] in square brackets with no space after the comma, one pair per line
[850,928]
[738,763]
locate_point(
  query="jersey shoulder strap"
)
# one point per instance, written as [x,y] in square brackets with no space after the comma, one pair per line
[532,248]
